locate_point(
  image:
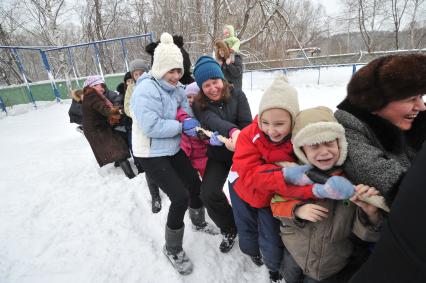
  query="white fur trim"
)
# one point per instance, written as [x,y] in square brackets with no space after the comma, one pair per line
[319,132]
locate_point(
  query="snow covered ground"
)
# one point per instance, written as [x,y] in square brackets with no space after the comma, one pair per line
[64,219]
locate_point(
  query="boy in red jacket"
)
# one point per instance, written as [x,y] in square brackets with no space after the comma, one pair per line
[255,177]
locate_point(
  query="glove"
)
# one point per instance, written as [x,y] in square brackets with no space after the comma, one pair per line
[296,175]
[114,119]
[188,126]
[214,139]
[336,187]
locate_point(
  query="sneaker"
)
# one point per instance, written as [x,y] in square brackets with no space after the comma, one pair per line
[228,241]
[276,277]
[206,228]
[257,259]
[156,204]
[180,261]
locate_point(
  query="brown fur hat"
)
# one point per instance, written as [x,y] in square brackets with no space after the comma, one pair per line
[220,44]
[386,79]
[76,94]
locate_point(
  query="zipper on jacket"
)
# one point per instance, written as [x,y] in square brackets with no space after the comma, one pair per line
[311,234]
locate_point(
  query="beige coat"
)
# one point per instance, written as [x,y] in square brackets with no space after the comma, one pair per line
[127,97]
[323,248]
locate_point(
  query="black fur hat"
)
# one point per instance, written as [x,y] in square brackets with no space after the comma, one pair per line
[386,79]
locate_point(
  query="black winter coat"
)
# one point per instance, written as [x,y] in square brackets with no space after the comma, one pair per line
[75,112]
[222,116]
[106,143]
[400,254]
[234,72]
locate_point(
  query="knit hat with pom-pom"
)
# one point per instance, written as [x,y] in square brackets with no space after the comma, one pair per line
[167,56]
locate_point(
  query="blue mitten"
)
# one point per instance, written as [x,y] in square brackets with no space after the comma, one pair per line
[296,175]
[214,140]
[336,187]
[188,126]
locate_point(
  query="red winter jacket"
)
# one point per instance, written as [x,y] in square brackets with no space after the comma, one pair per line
[258,177]
[193,147]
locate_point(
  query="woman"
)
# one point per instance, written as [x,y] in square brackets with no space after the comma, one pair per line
[222,108]
[384,119]
[232,70]
[156,135]
[99,117]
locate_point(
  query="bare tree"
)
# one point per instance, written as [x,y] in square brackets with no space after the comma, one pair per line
[398,8]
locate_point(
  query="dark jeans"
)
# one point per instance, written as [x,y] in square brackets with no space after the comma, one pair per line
[258,231]
[178,180]
[213,197]
[152,186]
[292,273]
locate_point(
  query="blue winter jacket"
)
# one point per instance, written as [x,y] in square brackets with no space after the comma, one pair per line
[155,130]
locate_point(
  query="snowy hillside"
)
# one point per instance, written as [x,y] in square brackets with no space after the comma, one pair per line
[64,219]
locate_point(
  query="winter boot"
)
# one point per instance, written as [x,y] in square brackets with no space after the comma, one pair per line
[257,259]
[228,241]
[156,203]
[199,223]
[127,169]
[276,277]
[174,252]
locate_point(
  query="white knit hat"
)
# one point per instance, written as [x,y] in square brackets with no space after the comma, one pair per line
[167,56]
[317,125]
[280,95]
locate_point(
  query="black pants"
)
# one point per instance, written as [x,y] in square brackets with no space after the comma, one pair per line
[213,197]
[152,186]
[178,180]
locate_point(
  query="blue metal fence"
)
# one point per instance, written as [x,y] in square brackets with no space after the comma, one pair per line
[43,50]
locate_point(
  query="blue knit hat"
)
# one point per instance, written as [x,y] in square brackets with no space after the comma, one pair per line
[207,68]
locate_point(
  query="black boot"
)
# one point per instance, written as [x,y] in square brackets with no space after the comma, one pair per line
[257,259]
[275,277]
[127,169]
[228,241]
[156,203]
[198,219]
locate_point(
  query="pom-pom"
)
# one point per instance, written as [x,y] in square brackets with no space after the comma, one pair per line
[166,38]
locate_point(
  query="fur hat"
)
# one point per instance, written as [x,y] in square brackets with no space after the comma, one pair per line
[280,95]
[220,44]
[192,89]
[207,68]
[317,125]
[387,79]
[91,81]
[167,56]
[137,64]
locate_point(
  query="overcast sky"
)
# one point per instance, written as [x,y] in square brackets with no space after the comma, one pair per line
[333,7]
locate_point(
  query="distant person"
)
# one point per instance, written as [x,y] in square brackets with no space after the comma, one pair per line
[127,80]
[232,42]
[233,71]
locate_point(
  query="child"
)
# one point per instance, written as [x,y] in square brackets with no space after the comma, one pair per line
[137,68]
[317,233]
[254,177]
[194,147]
[156,136]
[232,41]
